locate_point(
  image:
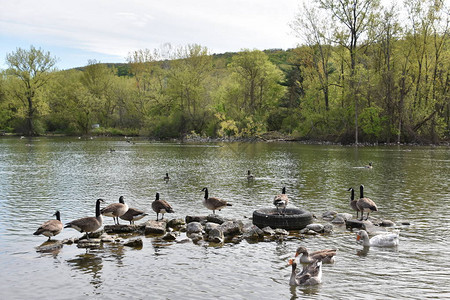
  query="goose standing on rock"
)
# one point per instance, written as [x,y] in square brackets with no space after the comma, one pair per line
[160,206]
[326,255]
[281,200]
[353,202]
[310,275]
[380,240]
[51,227]
[132,215]
[88,224]
[365,204]
[115,210]
[213,203]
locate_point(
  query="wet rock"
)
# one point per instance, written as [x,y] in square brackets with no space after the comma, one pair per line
[216,235]
[176,223]
[200,219]
[215,219]
[307,231]
[387,223]
[315,227]
[268,231]
[155,227]
[50,246]
[134,243]
[170,236]
[345,216]
[232,227]
[123,228]
[69,241]
[236,239]
[338,220]
[329,215]
[252,232]
[209,226]
[106,238]
[280,231]
[91,243]
[93,235]
[196,237]
[350,224]
[194,227]
[328,228]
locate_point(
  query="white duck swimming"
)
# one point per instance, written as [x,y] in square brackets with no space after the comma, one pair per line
[380,240]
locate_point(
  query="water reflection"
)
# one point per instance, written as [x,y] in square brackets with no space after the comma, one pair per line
[88,263]
[363,252]
[51,247]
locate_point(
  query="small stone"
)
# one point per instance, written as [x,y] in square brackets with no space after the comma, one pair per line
[209,226]
[91,243]
[190,219]
[253,232]
[216,235]
[232,227]
[170,236]
[280,231]
[387,223]
[350,224]
[315,227]
[135,243]
[176,223]
[304,231]
[338,220]
[345,216]
[215,219]
[194,227]
[50,246]
[196,237]
[268,231]
[155,227]
[328,228]
[329,215]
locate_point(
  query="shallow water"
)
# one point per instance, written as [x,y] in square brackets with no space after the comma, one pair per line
[40,175]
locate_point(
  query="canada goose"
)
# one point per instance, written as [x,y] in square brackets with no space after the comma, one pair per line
[325,255]
[250,176]
[380,240]
[88,224]
[365,204]
[115,210]
[166,178]
[213,203]
[132,215]
[353,202]
[160,206]
[281,200]
[51,227]
[310,275]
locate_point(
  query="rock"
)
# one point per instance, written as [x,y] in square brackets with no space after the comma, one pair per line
[350,224]
[338,220]
[253,232]
[91,243]
[329,215]
[200,219]
[268,231]
[387,223]
[328,228]
[176,223]
[406,223]
[236,239]
[194,227]
[50,246]
[307,231]
[135,243]
[280,231]
[196,237]
[216,235]
[106,238]
[123,228]
[209,226]
[315,227]
[232,227]
[93,235]
[215,219]
[155,227]
[345,216]
[170,236]
[69,241]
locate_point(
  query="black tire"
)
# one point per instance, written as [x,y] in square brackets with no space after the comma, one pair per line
[294,218]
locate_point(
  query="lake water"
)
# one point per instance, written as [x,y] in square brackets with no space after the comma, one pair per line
[41,175]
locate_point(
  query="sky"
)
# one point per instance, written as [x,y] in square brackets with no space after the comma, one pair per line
[108,30]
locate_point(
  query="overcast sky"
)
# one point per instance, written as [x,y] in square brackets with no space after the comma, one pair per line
[107,30]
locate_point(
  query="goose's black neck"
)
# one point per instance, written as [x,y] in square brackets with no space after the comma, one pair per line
[97,207]
[157,196]
[283,191]
[121,200]
[206,193]
[352,197]
[58,215]
[361,191]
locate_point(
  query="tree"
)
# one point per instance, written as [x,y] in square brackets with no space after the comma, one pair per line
[33,68]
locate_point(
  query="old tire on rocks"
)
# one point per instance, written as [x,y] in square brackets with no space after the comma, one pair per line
[294,218]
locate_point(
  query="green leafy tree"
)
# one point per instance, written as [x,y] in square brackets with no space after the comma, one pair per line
[33,69]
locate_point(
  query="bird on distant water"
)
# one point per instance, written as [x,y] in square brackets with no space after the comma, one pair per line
[88,224]
[166,178]
[369,166]
[115,210]
[160,206]
[281,200]
[51,227]
[213,203]
[132,215]
[365,204]
[353,202]
[250,176]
